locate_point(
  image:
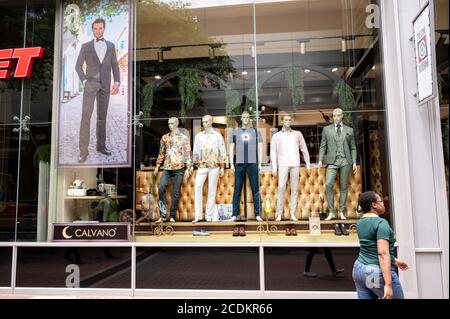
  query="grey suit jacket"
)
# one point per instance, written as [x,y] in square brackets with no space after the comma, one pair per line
[96,71]
[328,145]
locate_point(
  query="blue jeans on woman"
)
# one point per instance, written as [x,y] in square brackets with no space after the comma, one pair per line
[369,282]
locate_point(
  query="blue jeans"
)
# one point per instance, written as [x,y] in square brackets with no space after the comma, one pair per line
[369,282]
[176,176]
[253,175]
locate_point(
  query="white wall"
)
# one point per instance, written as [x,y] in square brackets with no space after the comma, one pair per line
[421,212]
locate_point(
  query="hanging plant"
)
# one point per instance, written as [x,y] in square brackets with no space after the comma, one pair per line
[233,107]
[346,99]
[148,103]
[296,84]
[188,86]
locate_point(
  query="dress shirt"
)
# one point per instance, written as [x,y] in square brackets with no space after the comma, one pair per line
[209,149]
[174,151]
[100,49]
[284,149]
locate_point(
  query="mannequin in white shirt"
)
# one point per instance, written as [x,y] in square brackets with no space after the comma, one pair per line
[285,160]
[209,153]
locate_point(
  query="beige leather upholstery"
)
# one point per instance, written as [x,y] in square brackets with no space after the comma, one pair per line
[311,197]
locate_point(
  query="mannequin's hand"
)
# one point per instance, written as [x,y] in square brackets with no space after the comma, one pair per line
[274,173]
[355,169]
[156,170]
[259,167]
[221,171]
[187,173]
[232,168]
[320,165]
[114,89]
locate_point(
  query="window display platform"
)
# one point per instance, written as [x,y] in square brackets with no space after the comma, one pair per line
[326,238]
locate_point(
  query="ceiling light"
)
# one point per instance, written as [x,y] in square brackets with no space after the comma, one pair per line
[160,55]
[244,72]
[302,47]
[343,45]
[158,77]
[307,70]
[334,69]
[373,68]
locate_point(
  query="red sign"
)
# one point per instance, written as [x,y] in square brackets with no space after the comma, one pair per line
[25,58]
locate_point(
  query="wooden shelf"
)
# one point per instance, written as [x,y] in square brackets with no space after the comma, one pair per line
[95,197]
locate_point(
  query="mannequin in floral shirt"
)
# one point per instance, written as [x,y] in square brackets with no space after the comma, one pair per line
[175,156]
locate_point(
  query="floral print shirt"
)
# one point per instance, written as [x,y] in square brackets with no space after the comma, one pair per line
[174,151]
[209,149]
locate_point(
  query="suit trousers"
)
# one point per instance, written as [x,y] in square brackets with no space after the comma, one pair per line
[93,91]
[283,173]
[211,208]
[332,171]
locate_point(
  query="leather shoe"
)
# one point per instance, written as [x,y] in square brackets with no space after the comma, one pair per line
[242,231]
[293,232]
[337,272]
[309,274]
[288,231]
[104,151]
[337,230]
[343,230]
[82,158]
[236,231]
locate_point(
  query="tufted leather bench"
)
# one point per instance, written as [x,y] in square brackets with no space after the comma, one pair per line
[311,197]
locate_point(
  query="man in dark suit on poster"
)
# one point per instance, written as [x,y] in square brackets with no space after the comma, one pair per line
[100,58]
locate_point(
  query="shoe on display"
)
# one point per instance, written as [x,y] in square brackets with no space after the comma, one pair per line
[232,219]
[341,216]
[200,233]
[343,230]
[293,218]
[330,216]
[293,232]
[288,232]
[159,220]
[309,274]
[278,219]
[338,271]
[236,231]
[259,219]
[172,220]
[242,231]
[196,220]
[337,230]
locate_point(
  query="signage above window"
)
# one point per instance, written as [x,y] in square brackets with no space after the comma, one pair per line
[25,58]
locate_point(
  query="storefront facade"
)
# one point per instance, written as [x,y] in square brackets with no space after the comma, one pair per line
[301,59]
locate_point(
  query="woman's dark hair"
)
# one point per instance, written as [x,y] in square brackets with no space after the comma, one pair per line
[365,201]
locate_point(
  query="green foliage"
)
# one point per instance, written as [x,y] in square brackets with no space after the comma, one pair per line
[91,9]
[296,84]
[148,103]
[346,99]
[233,107]
[188,86]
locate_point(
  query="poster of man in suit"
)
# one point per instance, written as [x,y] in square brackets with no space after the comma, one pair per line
[95,108]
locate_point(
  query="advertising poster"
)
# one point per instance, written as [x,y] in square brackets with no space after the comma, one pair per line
[94,110]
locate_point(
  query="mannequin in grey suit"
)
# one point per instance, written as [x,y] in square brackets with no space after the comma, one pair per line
[100,58]
[338,143]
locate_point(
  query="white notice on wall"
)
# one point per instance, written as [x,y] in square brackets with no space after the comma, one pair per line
[424,55]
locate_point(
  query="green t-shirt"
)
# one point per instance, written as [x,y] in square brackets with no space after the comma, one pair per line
[370,229]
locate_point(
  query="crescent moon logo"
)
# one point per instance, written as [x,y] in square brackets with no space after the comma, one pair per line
[64,233]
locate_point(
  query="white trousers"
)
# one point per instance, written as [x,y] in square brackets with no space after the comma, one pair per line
[211,208]
[294,173]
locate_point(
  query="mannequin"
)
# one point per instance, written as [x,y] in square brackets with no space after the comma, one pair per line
[248,144]
[210,155]
[285,160]
[338,144]
[175,156]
